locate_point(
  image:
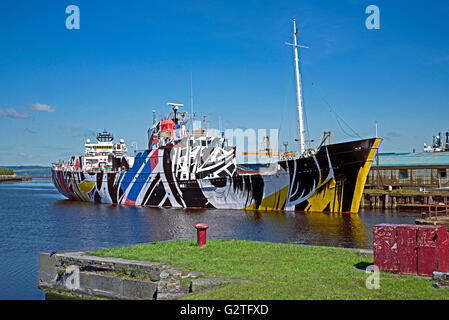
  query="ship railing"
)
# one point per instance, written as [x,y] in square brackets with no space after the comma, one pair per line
[70,167]
[199,133]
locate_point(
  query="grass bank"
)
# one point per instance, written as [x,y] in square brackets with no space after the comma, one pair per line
[279,271]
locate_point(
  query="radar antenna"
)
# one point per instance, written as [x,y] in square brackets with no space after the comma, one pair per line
[175,107]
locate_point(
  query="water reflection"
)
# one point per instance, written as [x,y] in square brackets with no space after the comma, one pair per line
[329,228]
[116,223]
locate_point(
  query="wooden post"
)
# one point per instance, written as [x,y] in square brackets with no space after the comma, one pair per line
[387,201]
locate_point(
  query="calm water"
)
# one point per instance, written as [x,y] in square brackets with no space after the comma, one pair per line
[35,217]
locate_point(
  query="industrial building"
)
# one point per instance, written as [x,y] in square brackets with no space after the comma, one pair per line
[419,170]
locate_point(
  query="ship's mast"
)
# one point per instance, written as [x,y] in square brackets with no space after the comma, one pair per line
[191,101]
[298,90]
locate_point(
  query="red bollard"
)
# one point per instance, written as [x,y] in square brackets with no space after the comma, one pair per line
[201,234]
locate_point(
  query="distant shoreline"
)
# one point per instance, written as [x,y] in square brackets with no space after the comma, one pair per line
[28,171]
[22,178]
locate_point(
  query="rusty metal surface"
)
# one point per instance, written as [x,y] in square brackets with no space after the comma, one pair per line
[427,253]
[411,249]
[407,249]
[385,247]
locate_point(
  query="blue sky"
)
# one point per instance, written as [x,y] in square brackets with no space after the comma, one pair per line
[59,86]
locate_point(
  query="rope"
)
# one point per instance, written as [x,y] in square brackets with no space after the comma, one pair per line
[339,118]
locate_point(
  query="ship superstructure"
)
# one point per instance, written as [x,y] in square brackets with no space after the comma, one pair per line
[186,169]
[104,155]
[437,144]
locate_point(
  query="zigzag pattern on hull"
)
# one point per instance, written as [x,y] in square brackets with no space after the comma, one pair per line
[329,181]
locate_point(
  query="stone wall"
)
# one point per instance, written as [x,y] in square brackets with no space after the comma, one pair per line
[79,274]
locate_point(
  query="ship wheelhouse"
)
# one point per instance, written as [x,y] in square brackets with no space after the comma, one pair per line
[193,155]
[104,155]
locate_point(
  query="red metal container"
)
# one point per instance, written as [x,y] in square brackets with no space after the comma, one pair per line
[201,234]
[411,249]
[407,249]
[433,250]
[427,251]
[385,247]
[443,250]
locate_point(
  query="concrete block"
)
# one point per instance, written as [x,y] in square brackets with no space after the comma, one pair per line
[78,273]
[441,279]
[48,271]
[101,285]
[169,289]
[134,289]
[441,276]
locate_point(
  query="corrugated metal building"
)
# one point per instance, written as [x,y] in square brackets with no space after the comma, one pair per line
[424,169]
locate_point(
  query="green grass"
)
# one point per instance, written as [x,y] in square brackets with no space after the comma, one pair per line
[134,274]
[279,271]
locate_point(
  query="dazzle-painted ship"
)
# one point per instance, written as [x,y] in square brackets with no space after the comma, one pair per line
[197,170]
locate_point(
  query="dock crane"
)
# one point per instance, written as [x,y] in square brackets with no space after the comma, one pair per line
[267,151]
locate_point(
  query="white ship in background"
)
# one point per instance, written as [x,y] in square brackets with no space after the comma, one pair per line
[104,155]
[437,144]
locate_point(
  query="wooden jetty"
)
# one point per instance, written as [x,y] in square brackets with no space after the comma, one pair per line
[434,221]
[407,201]
[435,214]
[431,209]
[433,206]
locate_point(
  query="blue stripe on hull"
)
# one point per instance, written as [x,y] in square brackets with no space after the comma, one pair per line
[130,174]
[140,181]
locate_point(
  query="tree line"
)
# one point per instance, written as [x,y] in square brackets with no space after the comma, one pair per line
[6,172]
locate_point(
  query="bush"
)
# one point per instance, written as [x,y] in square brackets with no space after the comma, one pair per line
[6,172]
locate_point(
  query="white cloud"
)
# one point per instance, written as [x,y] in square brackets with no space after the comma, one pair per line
[26,155]
[12,113]
[40,107]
